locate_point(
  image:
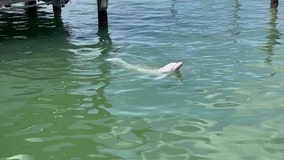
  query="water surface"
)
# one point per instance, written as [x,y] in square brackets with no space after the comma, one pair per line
[61,99]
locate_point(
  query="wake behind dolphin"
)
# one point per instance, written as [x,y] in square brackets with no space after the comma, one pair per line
[172,67]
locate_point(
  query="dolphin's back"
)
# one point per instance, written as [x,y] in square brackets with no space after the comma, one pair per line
[171,67]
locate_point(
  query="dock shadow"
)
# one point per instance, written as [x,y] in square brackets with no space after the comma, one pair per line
[273,34]
[31,23]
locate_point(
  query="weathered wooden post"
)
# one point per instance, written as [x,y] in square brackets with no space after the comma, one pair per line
[28,3]
[32,8]
[102,14]
[103,34]
[57,5]
[273,3]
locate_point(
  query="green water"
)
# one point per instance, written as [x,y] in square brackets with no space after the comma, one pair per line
[61,99]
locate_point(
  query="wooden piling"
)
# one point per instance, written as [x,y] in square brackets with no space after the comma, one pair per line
[273,3]
[28,3]
[102,14]
[32,8]
[56,6]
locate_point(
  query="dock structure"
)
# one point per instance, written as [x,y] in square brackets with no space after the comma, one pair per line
[102,6]
[57,4]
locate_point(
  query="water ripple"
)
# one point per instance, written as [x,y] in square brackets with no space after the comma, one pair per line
[61,99]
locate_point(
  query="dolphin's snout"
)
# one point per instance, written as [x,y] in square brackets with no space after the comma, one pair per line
[177,66]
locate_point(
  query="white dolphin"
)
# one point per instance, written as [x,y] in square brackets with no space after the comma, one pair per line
[169,68]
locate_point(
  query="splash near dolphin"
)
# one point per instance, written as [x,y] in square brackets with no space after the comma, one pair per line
[169,68]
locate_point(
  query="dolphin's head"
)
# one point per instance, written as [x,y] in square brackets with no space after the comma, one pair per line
[171,67]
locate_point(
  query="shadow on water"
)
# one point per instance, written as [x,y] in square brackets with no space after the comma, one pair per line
[24,24]
[273,34]
[105,45]
[27,31]
[90,58]
[235,19]
[37,31]
[173,9]
[105,42]
[54,95]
